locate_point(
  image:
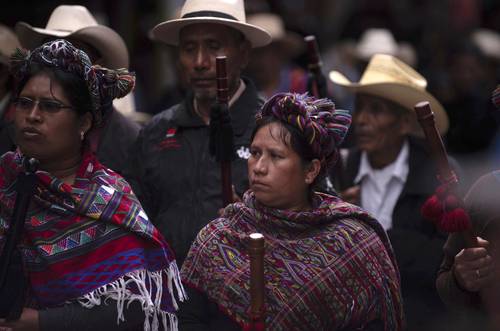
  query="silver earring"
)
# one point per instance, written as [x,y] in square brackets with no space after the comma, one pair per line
[82,135]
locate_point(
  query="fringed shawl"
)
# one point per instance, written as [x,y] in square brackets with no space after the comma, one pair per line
[330,268]
[92,241]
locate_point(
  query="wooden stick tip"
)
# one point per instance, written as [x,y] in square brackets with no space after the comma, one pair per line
[422,104]
[256,236]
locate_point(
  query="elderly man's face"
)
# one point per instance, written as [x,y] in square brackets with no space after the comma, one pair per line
[199,45]
[380,126]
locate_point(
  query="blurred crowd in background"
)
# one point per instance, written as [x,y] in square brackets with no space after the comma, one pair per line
[455,44]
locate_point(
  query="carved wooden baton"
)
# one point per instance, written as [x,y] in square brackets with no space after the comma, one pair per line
[257,293]
[223,99]
[445,174]
[314,64]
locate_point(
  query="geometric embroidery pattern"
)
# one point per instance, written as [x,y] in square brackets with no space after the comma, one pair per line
[78,238]
[324,268]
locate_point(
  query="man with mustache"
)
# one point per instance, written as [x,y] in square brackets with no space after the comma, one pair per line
[390,174]
[170,167]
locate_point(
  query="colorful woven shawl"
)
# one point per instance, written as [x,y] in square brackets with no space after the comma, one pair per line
[92,241]
[331,268]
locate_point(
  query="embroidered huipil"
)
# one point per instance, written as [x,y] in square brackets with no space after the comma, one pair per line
[91,241]
[329,268]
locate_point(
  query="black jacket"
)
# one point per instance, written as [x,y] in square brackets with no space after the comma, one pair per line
[6,143]
[6,131]
[115,140]
[175,177]
[416,242]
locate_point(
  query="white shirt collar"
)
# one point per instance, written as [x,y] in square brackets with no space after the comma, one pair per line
[400,165]
[238,93]
[381,188]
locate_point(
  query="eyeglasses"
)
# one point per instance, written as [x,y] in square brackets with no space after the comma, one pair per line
[46,106]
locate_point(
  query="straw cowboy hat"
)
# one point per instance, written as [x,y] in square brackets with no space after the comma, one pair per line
[226,12]
[391,79]
[77,23]
[8,44]
[289,41]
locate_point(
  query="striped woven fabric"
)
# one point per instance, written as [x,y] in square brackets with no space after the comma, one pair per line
[331,268]
[91,241]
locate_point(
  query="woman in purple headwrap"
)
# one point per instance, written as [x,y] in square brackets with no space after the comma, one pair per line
[91,258]
[328,264]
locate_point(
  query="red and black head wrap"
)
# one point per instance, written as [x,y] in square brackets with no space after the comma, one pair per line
[103,84]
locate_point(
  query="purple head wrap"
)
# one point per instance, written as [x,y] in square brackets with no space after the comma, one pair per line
[103,84]
[322,125]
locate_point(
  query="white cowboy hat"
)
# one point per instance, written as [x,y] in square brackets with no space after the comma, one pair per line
[227,12]
[291,42]
[391,79]
[8,43]
[381,41]
[376,41]
[488,42]
[77,22]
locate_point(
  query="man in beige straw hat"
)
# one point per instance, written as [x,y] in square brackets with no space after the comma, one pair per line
[170,166]
[390,174]
[8,44]
[104,47]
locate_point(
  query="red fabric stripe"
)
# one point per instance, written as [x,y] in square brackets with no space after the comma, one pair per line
[101,254]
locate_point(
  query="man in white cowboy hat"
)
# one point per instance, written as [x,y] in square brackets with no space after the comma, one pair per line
[170,166]
[390,174]
[104,47]
[8,44]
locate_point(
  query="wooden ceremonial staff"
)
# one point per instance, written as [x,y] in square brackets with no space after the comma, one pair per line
[314,65]
[223,99]
[318,90]
[257,286]
[446,207]
[12,280]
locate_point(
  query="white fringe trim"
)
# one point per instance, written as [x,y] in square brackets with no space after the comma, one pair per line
[142,279]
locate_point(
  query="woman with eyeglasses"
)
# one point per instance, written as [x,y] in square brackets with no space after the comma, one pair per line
[92,258]
[328,265]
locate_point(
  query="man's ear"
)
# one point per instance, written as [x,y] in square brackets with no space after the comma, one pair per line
[312,171]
